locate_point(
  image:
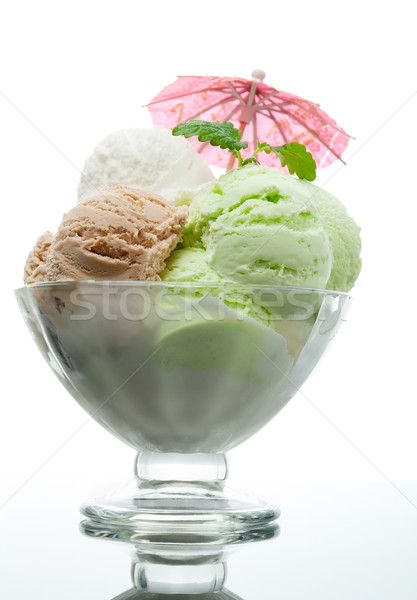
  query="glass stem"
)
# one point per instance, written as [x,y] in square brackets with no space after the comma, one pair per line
[172,466]
[179,579]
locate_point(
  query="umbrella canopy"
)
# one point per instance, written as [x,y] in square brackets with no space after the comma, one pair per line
[260,112]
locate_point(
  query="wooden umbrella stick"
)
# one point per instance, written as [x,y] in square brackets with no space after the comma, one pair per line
[232,156]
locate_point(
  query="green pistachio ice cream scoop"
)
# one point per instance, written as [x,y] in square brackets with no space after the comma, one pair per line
[261,226]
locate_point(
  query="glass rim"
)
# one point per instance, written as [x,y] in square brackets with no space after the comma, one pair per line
[178,284]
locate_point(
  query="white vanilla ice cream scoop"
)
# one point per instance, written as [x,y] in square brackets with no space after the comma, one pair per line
[151,159]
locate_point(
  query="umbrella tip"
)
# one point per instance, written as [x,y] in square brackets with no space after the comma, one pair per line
[258,75]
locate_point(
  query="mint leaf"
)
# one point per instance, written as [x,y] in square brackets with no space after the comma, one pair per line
[295,157]
[218,133]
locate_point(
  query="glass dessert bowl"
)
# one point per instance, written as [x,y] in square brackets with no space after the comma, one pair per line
[181,372]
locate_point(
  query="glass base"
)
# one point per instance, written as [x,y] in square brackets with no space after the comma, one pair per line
[178,498]
[178,512]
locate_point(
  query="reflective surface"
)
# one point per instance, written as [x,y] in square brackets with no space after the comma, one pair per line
[339,541]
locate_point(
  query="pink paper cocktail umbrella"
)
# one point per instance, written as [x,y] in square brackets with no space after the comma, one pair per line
[260,112]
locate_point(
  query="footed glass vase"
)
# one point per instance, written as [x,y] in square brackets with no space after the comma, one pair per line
[181,372]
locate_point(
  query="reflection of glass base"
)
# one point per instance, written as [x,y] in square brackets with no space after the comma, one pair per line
[188,512]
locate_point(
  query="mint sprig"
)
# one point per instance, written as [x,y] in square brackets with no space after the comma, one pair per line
[218,133]
[294,156]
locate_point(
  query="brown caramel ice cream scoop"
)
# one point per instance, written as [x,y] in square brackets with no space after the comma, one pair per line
[118,233]
[35,267]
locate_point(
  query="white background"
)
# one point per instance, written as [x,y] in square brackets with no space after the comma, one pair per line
[72,72]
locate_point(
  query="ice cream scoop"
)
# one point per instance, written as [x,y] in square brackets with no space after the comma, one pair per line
[150,159]
[259,225]
[118,233]
[191,264]
[344,236]
[256,227]
[35,266]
